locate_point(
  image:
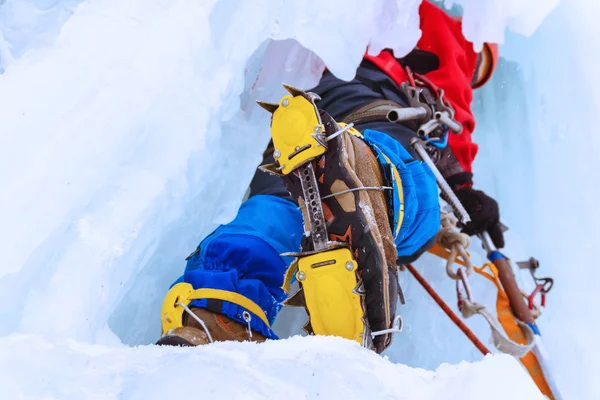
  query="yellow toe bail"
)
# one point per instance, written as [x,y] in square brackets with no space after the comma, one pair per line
[329,283]
[184,293]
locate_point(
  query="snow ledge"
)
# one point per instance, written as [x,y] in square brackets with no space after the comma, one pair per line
[295,368]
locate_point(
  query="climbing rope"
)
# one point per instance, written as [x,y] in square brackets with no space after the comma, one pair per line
[457,242]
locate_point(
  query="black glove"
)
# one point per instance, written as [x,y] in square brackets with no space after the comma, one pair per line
[484,213]
[483,210]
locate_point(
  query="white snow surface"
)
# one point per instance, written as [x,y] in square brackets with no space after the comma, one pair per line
[296,368]
[129,132]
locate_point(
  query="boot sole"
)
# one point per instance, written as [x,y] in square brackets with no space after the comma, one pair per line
[350,219]
[170,340]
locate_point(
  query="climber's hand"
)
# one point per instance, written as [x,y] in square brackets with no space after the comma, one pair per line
[484,213]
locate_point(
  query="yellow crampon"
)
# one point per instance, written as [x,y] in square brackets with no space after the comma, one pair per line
[329,292]
[330,289]
[295,128]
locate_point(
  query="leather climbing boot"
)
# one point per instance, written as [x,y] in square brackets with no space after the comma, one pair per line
[220,328]
[347,264]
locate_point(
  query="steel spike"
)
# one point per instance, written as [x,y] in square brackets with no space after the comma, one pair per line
[310,96]
[320,138]
[367,341]
[359,289]
[401,294]
[294,91]
[308,328]
[270,169]
[270,107]
[296,300]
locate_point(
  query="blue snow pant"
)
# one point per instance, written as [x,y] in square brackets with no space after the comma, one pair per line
[243,255]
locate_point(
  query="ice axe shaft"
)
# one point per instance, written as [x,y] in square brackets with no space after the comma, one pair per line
[508,280]
[451,198]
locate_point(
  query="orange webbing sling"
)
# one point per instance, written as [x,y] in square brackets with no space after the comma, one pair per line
[514,332]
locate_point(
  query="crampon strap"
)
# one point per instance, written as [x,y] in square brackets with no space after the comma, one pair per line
[184,293]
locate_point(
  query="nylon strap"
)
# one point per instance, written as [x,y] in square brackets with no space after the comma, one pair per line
[449,237]
[439,250]
[289,275]
[231,297]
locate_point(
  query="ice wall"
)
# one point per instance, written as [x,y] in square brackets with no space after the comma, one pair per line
[539,157]
[134,133]
[30,24]
[488,21]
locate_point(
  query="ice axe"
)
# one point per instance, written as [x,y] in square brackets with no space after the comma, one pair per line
[520,309]
[505,272]
[508,280]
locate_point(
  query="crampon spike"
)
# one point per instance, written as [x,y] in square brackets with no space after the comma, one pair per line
[296,300]
[297,92]
[308,328]
[294,91]
[360,288]
[270,107]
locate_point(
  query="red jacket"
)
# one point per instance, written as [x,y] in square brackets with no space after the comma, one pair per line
[442,35]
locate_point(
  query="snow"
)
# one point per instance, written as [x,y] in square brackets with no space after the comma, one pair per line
[297,368]
[129,131]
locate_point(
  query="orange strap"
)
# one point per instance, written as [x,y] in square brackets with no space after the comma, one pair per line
[444,253]
[514,332]
[506,319]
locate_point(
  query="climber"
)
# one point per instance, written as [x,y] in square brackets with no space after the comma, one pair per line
[379,198]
